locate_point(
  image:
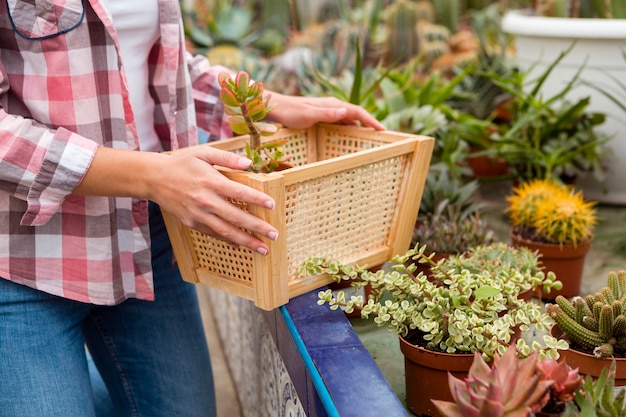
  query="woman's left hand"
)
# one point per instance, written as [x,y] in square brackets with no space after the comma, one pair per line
[298,112]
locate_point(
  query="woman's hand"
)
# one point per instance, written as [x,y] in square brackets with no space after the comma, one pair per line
[299,112]
[185,184]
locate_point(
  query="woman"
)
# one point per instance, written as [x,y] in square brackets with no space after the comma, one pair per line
[91,93]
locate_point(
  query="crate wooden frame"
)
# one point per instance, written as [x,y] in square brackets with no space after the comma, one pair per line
[353,196]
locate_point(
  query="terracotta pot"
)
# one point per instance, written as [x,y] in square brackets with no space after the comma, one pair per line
[426,376]
[566,261]
[485,167]
[588,364]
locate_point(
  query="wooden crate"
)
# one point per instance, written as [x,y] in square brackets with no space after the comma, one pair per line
[353,196]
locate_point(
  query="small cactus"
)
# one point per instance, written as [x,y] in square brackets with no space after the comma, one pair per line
[596,323]
[546,211]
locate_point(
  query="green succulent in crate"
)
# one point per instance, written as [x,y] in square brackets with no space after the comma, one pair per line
[596,323]
[247,108]
[466,312]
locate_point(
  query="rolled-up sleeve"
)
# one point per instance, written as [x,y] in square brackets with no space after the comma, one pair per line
[40,165]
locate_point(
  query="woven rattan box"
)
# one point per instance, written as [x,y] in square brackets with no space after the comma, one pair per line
[353,196]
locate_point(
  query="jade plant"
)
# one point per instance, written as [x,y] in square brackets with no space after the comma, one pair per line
[247,109]
[466,312]
[510,387]
[597,323]
[546,211]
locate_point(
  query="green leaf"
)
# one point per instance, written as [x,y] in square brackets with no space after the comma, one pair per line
[486,291]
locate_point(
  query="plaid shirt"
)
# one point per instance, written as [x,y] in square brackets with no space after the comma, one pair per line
[62,95]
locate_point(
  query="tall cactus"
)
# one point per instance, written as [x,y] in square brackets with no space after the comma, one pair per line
[597,322]
[401,22]
[448,13]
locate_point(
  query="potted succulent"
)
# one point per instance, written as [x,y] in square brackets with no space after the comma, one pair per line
[448,319]
[532,387]
[595,328]
[449,219]
[595,33]
[554,220]
[512,387]
[499,256]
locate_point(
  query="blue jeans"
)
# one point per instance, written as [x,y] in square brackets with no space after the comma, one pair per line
[151,355]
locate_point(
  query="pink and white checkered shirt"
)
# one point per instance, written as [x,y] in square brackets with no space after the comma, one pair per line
[62,95]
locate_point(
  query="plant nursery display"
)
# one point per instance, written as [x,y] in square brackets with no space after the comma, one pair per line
[596,44]
[555,220]
[454,316]
[594,326]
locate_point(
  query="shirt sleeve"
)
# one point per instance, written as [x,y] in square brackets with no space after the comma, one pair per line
[40,165]
[210,115]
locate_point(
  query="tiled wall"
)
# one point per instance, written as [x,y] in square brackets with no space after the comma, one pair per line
[300,360]
[263,384]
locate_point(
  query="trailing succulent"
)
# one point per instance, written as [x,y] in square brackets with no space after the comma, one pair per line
[511,387]
[462,312]
[499,256]
[596,323]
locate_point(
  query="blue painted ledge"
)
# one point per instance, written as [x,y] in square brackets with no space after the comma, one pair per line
[332,372]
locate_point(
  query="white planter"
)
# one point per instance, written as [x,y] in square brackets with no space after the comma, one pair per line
[539,40]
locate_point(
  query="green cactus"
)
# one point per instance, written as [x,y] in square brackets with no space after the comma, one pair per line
[401,22]
[598,322]
[448,13]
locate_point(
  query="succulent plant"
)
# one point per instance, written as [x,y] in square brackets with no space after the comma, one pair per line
[566,382]
[465,312]
[598,398]
[509,388]
[449,229]
[546,211]
[246,109]
[499,256]
[596,323]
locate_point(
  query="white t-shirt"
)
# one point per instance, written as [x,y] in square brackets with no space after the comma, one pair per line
[137,25]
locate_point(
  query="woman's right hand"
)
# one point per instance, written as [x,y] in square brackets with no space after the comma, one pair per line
[186,185]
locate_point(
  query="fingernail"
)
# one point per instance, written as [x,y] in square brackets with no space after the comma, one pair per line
[341,112]
[244,162]
[272,235]
[262,251]
[269,204]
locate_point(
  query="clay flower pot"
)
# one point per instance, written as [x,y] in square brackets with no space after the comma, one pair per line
[588,364]
[426,376]
[566,261]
